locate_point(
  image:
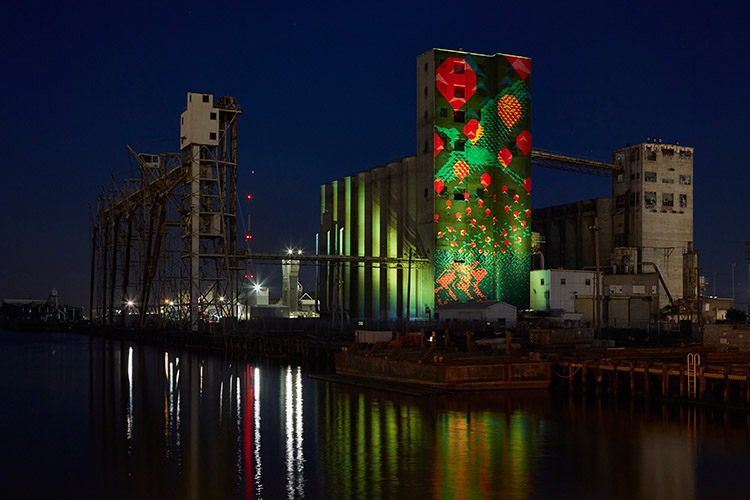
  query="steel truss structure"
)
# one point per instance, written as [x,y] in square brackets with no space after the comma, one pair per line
[573,164]
[164,249]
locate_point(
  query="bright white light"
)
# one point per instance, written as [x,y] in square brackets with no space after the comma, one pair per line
[289,251]
[130,303]
[256,288]
[299,252]
[221,299]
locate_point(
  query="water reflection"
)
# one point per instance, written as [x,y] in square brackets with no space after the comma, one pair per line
[158,423]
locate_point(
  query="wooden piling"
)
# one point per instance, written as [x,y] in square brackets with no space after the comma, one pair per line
[584,373]
[682,380]
[726,385]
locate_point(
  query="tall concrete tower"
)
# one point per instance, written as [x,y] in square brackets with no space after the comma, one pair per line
[474,145]
[653,207]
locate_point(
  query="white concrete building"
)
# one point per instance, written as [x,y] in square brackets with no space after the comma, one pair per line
[557,289]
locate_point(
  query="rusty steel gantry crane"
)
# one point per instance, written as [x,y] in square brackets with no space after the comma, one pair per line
[164,243]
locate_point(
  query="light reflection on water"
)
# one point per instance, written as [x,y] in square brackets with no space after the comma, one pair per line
[124,420]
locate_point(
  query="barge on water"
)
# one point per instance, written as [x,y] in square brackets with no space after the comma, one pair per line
[444,369]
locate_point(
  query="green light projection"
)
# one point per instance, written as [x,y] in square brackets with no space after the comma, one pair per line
[482,178]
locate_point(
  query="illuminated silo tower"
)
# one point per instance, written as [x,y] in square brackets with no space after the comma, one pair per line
[474,139]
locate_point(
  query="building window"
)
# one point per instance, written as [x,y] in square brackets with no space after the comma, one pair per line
[458,195]
[683,201]
[588,282]
[459,145]
[562,281]
[619,177]
[633,199]
[667,199]
[685,154]
[459,91]
[649,176]
[426,147]
[212,136]
[425,67]
[651,156]
[459,117]
[425,92]
[213,116]
[426,120]
[685,179]
[619,203]
[458,68]
[205,98]
[541,281]
[649,199]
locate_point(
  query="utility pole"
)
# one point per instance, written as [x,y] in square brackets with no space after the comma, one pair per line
[714,280]
[597,304]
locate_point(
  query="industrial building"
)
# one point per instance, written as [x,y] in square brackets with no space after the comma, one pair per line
[458,212]
[164,241]
[645,229]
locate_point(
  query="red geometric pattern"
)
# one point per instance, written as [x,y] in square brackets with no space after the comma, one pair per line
[456,81]
[522,65]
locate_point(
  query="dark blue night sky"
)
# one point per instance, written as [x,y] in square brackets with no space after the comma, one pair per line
[328,89]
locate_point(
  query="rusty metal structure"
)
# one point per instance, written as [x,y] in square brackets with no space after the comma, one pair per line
[164,243]
[574,164]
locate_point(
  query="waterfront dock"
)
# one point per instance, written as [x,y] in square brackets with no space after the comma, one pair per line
[716,377]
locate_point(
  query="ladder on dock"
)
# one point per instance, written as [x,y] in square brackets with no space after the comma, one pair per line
[693,361]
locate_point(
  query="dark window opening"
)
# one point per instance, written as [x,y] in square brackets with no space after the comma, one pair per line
[683,201]
[425,92]
[649,176]
[458,195]
[458,68]
[649,199]
[459,117]
[619,203]
[562,281]
[212,136]
[667,199]
[205,98]
[459,91]
[213,116]
[425,67]
[459,145]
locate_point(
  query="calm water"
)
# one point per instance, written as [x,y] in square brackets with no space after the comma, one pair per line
[86,418]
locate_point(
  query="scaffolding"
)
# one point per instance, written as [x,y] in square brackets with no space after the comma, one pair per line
[164,250]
